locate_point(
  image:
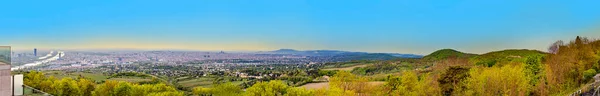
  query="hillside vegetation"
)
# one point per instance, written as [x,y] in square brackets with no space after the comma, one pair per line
[505,56]
[566,67]
[447,53]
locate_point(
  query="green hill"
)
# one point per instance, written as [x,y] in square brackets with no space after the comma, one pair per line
[446,53]
[506,56]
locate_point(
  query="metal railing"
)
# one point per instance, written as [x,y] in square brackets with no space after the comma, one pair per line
[30,91]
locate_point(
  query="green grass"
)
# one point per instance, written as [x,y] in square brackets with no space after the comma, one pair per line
[204,82]
[62,74]
[131,79]
[93,76]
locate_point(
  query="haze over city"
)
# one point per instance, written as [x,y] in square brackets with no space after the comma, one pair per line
[376,26]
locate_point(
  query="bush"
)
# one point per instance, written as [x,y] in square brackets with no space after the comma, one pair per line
[589,74]
[507,80]
[327,72]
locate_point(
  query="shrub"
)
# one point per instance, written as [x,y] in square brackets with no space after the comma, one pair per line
[589,74]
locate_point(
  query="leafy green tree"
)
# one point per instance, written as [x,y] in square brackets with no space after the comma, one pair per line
[106,89]
[169,93]
[510,80]
[408,82]
[123,89]
[34,78]
[46,85]
[201,91]
[533,68]
[85,87]
[272,88]
[392,83]
[66,87]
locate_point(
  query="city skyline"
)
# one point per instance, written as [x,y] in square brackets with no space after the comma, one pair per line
[413,27]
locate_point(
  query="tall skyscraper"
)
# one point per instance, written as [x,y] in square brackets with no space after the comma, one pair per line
[34,52]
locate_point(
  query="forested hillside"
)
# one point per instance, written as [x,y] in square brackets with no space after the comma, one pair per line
[447,53]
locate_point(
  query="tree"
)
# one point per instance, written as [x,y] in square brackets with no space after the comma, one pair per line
[85,87]
[452,79]
[408,82]
[106,89]
[66,87]
[122,89]
[555,47]
[201,91]
[347,82]
[427,86]
[578,41]
[169,93]
[34,78]
[566,69]
[46,85]
[508,80]
[533,67]
[343,80]
[272,88]
[226,89]
[294,91]
[392,83]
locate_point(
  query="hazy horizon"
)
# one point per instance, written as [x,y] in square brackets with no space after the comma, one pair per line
[411,27]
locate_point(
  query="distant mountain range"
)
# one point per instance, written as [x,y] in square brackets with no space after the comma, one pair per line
[338,53]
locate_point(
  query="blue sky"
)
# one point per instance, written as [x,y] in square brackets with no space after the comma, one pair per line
[398,26]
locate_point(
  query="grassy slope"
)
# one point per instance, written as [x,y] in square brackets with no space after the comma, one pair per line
[95,76]
[131,79]
[196,82]
[504,57]
[62,74]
